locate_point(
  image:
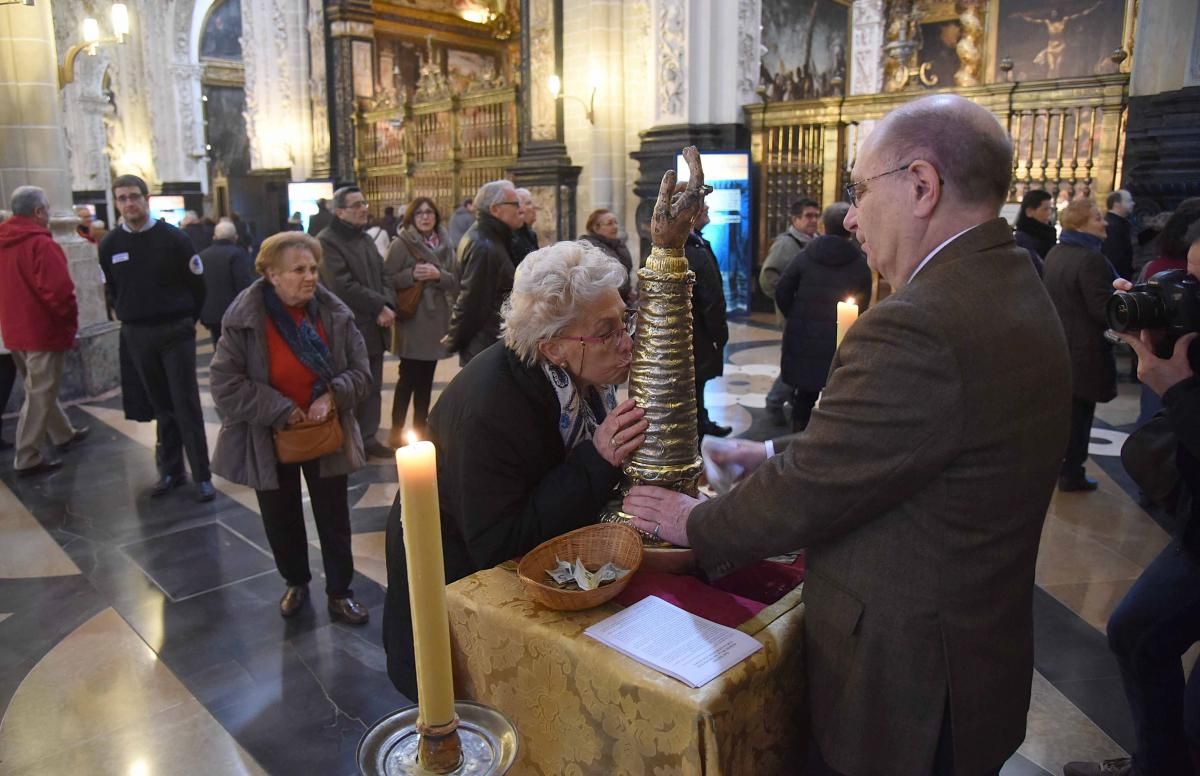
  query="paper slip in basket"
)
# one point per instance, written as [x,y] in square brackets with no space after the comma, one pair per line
[681,645]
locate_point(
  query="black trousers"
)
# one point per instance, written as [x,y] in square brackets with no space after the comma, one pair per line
[802,407]
[416,383]
[283,517]
[164,355]
[368,411]
[8,378]
[214,329]
[1082,412]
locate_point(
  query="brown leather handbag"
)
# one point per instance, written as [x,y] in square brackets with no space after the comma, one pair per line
[309,439]
[409,299]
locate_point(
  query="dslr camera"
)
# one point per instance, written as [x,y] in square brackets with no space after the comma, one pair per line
[1169,301]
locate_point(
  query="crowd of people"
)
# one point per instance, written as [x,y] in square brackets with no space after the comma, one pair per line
[905,469]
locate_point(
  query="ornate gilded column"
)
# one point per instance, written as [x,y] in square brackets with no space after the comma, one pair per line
[351,38]
[543,165]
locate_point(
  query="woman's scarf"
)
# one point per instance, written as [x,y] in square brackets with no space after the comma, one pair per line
[578,417]
[423,248]
[302,339]
[1081,239]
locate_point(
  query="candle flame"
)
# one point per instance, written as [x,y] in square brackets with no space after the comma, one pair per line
[850,300]
[410,438]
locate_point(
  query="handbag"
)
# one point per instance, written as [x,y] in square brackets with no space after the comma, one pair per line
[409,299]
[309,439]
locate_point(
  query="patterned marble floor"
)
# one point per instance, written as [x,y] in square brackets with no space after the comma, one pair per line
[141,637]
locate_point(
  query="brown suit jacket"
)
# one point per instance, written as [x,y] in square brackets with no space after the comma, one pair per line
[919,489]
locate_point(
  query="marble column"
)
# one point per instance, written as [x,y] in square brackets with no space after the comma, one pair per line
[33,152]
[867,38]
[351,28]
[543,165]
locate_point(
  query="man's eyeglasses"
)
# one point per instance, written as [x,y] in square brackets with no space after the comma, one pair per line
[357,205]
[613,338]
[512,202]
[856,189]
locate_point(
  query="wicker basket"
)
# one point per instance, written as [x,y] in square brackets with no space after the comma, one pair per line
[595,545]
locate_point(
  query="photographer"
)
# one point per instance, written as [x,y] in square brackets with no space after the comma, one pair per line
[1158,620]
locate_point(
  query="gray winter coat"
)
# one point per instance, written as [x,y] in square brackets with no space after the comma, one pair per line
[420,337]
[353,270]
[250,408]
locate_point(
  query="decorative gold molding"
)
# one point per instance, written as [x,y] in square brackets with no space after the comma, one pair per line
[221,72]
[348,29]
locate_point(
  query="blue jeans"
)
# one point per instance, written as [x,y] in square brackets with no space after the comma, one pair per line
[1155,623]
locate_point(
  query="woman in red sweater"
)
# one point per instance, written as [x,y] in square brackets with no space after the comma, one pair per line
[290,351]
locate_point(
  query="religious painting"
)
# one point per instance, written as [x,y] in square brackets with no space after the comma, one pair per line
[464,68]
[1063,39]
[939,49]
[806,46]
[222,36]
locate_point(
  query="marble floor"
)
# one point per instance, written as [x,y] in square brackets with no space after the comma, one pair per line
[142,637]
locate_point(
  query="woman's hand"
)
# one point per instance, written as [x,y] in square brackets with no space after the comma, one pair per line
[321,407]
[622,432]
[297,416]
[426,271]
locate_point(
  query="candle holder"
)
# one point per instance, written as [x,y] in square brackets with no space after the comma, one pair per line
[479,742]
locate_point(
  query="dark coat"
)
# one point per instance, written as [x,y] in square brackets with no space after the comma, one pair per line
[318,221]
[460,223]
[1119,243]
[827,271]
[227,270]
[1080,282]
[919,489]
[250,408]
[619,251]
[200,233]
[354,271]
[1034,235]
[710,331]
[505,481]
[485,279]
[524,242]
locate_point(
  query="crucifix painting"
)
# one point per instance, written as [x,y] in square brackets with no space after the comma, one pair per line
[1050,40]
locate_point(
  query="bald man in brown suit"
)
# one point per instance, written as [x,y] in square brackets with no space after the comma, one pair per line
[920,486]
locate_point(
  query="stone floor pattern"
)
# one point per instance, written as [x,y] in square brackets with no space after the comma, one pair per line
[142,636]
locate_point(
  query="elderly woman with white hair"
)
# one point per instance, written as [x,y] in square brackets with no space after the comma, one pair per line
[530,437]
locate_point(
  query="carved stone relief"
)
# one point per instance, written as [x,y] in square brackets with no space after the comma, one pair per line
[749,49]
[542,105]
[672,67]
[867,74]
[317,88]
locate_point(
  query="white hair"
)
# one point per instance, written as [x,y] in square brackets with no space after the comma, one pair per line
[225,230]
[27,199]
[490,193]
[550,287]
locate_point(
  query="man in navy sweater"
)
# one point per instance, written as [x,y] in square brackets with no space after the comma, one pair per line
[156,283]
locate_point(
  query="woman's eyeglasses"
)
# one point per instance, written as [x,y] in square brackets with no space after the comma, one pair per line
[613,338]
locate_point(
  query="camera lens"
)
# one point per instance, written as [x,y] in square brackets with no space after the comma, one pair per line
[1134,310]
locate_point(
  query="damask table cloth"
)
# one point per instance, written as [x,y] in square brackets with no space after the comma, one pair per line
[582,708]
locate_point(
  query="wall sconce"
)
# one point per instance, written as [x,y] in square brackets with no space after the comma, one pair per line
[554,83]
[92,39]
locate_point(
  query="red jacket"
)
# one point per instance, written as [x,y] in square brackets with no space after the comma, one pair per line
[37,298]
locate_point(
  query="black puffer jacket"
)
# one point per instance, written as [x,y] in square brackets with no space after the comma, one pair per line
[485,279]
[826,272]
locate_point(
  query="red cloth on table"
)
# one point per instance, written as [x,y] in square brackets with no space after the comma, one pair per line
[730,600]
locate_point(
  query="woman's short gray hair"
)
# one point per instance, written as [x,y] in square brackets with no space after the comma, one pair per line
[550,287]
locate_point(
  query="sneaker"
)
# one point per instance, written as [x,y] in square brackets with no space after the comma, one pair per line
[1121,766]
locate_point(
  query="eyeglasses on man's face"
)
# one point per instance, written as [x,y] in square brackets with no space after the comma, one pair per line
[512,202]
[356,205]
[856,189]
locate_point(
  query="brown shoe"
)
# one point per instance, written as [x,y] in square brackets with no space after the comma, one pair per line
[293,599]
[348,610]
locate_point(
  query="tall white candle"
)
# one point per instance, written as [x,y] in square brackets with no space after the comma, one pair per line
[847,314]
[416,464]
